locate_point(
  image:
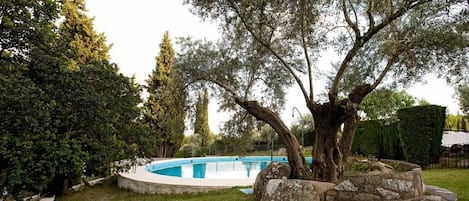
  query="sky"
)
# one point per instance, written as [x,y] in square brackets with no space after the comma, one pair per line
[135,28]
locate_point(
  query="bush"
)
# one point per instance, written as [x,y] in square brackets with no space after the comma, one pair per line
[378,138]
[421,130]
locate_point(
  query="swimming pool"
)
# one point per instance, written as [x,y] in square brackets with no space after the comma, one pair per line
[219,168]
[142,179]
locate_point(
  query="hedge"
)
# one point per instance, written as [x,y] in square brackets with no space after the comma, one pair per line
[378,138]
[421,130]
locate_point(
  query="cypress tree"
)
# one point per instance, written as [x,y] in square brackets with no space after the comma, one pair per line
[201,127]
[164,111]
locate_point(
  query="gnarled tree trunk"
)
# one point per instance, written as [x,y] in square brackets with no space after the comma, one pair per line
[327,155]
[296,160]
[331,151]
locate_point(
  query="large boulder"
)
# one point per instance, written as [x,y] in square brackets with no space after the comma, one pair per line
[275,170]
[295,189]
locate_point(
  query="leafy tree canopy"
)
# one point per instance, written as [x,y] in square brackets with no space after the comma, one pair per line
[269,45]
[384,103]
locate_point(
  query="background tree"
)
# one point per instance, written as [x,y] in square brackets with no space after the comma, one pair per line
[164,110]
[304,125]
[201,127]
[463,96]
[267,46]
[383,103]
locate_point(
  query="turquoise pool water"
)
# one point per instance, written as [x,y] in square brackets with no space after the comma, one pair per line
[215,167]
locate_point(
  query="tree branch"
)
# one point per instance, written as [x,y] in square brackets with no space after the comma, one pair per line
[305,50]
[263,43]
[371,20]
[384,72]
[361,40]
[354,26]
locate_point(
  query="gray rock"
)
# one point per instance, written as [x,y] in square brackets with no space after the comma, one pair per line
[387,194]
[295,189]
[366,197]
[397,185]
[445,194]
[274,170]
[346,186]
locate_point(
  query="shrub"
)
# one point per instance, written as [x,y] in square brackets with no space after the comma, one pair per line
[421,130]
[378,138]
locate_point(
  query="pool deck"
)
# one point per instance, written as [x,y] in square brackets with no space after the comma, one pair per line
[138,179]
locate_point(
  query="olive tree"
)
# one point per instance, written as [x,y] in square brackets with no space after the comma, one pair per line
[267,46]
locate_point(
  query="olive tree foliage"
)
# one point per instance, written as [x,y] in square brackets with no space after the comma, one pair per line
[268,46]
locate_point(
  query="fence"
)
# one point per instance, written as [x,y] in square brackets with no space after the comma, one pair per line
[456,156]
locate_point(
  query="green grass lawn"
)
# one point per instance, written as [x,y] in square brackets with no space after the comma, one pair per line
[110,192]
[455,180]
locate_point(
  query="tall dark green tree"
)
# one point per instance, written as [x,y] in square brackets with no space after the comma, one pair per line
[66,121]
[269,45]
[201,127]
[164,110]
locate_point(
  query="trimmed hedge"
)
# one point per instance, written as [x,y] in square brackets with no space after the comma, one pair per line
[421,130]
[378,138]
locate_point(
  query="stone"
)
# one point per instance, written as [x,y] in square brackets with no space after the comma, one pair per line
[397,185]
[295,189]
[275,170]
[366,197]
[445,194]
[346,186]
[387,194]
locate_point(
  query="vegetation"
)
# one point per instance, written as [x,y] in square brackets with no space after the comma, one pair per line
[201,128]
[267,46]
[110,192]
[164,110]
[421,131]
[378,138]
[455,180]
[67,111]
[463,94]
[383,103]
[456,122]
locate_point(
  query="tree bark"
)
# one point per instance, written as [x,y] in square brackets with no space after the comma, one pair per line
[327,156]
[296,160]
[346,141]
[330,152]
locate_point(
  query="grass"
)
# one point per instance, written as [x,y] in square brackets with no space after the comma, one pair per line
[110,192]
[455,180]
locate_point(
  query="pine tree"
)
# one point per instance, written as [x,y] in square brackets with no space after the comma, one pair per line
[201,127]
[164,111]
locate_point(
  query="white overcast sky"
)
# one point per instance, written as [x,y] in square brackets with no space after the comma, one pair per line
[136,27]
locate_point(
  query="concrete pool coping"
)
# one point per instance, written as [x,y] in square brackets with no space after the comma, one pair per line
[138,179]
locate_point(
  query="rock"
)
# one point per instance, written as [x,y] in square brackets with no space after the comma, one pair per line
[445,194]
[295,189]
[274,170]
[387,194]
[346,186]
[377,167]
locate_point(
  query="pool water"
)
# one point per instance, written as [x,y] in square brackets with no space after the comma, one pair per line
[225,170]
[218,168]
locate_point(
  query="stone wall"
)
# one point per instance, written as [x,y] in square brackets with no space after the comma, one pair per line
[155,188]
[388,186]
